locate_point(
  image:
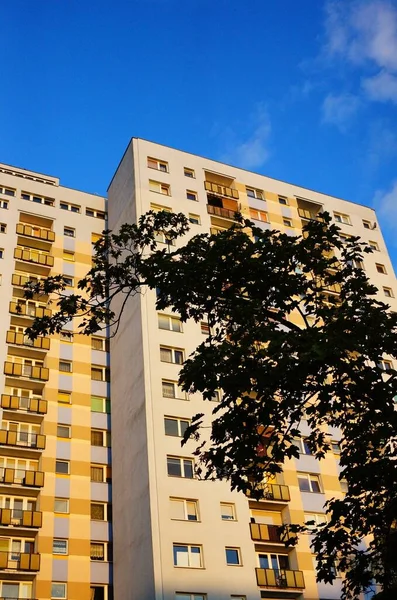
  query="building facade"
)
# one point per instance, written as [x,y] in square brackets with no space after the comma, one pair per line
[177,538]
[55,532]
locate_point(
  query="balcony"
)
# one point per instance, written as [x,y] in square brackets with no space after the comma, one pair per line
[21,477]
[22,439]
[222,190]
[309,215]
[19,561]
[34,256]
[280,579]
[20,280]
[31,371]
[20,339]
[29,309]
[20,518]
[35,232]
[273,492]
[225,213]
[29,404]
[265,533]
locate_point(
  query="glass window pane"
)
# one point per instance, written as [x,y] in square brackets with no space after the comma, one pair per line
[177,509]
[163,322]
[188,469]
[315,485]
[195,556]
[181,556]
[168,389]
[171,427]
[97,512]
[304,484]
[191,510]
[178,357]
[96,404]
[183,426]
[174,467]
[232,556]
[165,355]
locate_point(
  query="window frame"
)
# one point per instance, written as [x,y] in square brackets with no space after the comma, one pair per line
[194,219]
[56,596]
[380,268]
[177,390]
[224,516]
[67,428]
[65,394]
[194,195]
[182,460]
[311,478]
[105,373]
[283,200]
[62,461]
[171,319]
[342,218]
[259,213]
[388,292]
[66,546]
[307,517]
[3,227]
[163,188]
[256,193]
[68,255]
[65,362]
[189,555]
[72,231]
[173,351]
[179,421]
[159,162]
[61,512]
[185,502]
[105,404]
[237,550]
[287,222]
[191,173]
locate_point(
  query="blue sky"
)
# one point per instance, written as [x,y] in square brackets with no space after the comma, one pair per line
[301,91]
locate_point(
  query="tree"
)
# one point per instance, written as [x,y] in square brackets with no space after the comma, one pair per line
[296,332]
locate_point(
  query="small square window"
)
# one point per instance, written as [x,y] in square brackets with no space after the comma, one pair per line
[4,204]
[205,328]
[342,218]
[68,281]
[100,405]
[65,366]
[60,546]
[68,255]
[69,232]
[97,511]
[100,343]
[287,222]
[66,336]
[58,590]
[97,551]
[366,224]
[188,172]
[63,431]
[61,506]
[309,483]
[233,556]
[374,245]
[282,200]
[388,292]
[228,511]
[381,268]
[190,195]
[3,227]
[195,219]
[64,397]
[62,467]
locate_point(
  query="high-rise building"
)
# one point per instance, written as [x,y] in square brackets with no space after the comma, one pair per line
[175,537]
[55,534]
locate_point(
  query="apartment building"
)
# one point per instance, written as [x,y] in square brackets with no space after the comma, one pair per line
[55,532]
[177,538]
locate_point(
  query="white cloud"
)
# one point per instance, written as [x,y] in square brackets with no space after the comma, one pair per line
[382,87]
[252,152]
[385,203]
[339,109]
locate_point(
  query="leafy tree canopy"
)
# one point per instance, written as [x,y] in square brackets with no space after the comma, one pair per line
[296,332]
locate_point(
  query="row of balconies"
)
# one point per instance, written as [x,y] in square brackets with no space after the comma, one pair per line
[26,370]
[29,309]
[32,255]
[33,231]
[19,338]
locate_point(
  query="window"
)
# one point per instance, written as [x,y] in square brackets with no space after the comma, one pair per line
[1,252]
[357,264]
[180,467]
[159,188]
[62,467]
[187,556]
[97,511]
[190,195]
[302,446]
[273,561]
[66,336]
[188,596]
[171,355]
[228,511]
[72,207]
[95,237]
[162,238]
[341,218]
[195,219]
[283,200]
[63,431]
[170,323]
[65,366]
[97,551]
[252,193]
[381,268]
[64,397]
[259,215]
[159,165]
[159,208]
[388,292]
[37,199]
[189,173]
[374,245]
[171,389]
[61,506]
[100,405]
[366,224]
[99,373]
[59,546]
[313,520]
[233,556]
[3,227]
[343,486]
[216,397]
[205,328]
[92,212]
[7,191]
[100,473]
[4,204]
[175,427]
[99,437]
[68,255]
[68,281]
[385,365]
[183,510]
[287,222]
[100,343]
[69,232]
[309,483]
[58,590]
[335,447]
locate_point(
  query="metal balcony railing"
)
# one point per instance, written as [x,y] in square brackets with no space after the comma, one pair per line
[274,491]
[35,441]
[261,532]
[20,518]
[19,561]
[20,339]
[225,213]
[25,403]
[222,190]
[21,477]
[34,256]
[40,233]
[280,578]
[29,310]
[23,370]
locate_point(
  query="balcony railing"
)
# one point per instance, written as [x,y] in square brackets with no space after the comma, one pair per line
[261,532]
[30,371]
[15,598]
[280,578]
[21,477]
[20,339]
[274,492]
[222,190]
[309,215]
[28,404]
[20,518]
[19,561]
[34,256]
[35,232]
[225,213]
[29,310]
[35,441]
